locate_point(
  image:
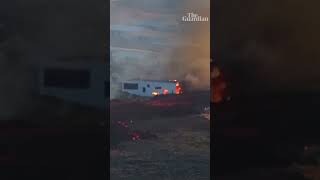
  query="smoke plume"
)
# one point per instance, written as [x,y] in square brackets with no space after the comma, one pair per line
[154,43]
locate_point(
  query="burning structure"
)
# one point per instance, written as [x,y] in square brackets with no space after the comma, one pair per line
[150,88]
[143,39]
[149,40]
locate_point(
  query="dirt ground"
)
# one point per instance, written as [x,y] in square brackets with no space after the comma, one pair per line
[181,147]
[181,150]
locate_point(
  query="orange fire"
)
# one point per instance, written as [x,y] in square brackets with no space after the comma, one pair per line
[165,91]
[155,93]
[178,88]
[218,90]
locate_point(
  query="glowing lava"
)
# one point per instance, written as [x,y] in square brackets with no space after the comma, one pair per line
[155,93]
[178,88]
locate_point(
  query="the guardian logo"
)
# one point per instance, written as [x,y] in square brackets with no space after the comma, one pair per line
[193,17]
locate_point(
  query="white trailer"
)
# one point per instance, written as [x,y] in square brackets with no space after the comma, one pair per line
[81,82]
[150,88]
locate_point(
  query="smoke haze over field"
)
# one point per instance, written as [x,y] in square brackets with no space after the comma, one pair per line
[150,41]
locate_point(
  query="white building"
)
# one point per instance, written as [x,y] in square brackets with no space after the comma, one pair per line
[81,82]
[150,88]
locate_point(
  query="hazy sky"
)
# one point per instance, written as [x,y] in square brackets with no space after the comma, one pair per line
[181,50]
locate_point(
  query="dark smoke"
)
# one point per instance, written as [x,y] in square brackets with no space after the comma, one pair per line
[274,43]
[43,30]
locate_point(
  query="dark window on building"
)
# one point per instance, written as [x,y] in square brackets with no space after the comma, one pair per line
[64,78]
[158,87]
[148,85]
[130,86]
[144,89]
